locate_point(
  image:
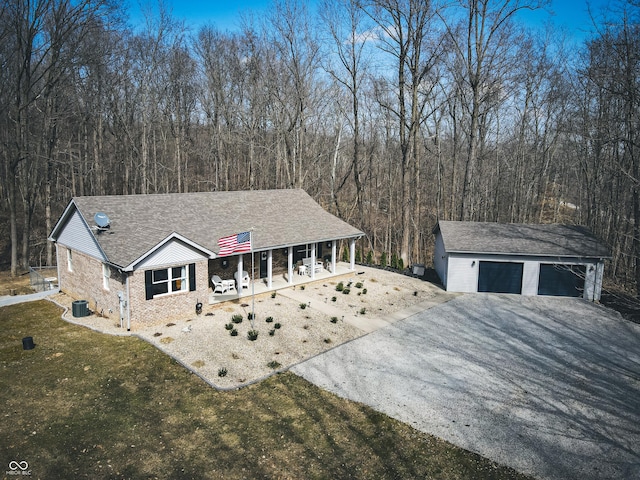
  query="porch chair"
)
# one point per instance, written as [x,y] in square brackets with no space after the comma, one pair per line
[218,286]
[245,279]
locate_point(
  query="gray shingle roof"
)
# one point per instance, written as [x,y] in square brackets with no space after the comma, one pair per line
[520,239]
[279,218]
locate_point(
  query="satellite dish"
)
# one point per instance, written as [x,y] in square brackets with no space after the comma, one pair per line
[101,220]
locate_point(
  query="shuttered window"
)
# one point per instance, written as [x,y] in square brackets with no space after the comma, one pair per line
[164,281]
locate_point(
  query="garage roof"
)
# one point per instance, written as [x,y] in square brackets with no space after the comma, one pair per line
[553,240]
[138,223]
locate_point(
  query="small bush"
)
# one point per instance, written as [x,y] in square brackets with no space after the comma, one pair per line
[276,326]
[237,318]
[339,287]
[234,333]
[334,319]
[229,326]
[252,335]
[303,306]
[273,364]
[364,291]
[363,311]
[302,287]
[327,340]
[250,315]
[333,299]
[383,259]
[359,285]
[222,372]
[370,257]
[273,294]
[268,319]
[272,332]
[346,291]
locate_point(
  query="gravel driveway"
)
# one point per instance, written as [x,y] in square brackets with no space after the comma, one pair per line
[549,386]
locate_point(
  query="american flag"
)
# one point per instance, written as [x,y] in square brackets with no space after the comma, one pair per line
[238,243]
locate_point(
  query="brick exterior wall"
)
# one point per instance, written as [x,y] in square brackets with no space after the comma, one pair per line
[85,282]
[174,306]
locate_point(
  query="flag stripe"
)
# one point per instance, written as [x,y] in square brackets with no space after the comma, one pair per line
[238,243]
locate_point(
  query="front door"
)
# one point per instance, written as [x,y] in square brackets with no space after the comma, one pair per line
[263,264]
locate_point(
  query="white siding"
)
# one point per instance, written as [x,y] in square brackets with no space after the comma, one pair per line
[530,277]
[76,235]
[462,273]
[174,252]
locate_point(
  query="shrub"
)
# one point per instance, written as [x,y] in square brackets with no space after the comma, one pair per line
[272,332]
[358,258]
[334,319]
[273,364]
[333,299]
[394,261]
[269,319]
[327,340]
[370,257]
[302,287]
[222,372]
[252,335]
[229,326]
[346,291]
[273,294]
[234,333]
[364,291]
[383,259]
[359,285]
[237,318]
[276,326]
[250,315]
[363,311]
[339,287]
[303,306]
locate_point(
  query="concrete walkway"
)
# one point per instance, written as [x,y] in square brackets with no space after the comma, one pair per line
[15,299]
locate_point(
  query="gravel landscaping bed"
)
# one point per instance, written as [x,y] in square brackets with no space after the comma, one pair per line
[312,319]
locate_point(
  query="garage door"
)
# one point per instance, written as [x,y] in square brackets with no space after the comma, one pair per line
[500,277]
[561,280]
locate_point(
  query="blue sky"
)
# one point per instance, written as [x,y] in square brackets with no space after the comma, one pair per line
[225,15]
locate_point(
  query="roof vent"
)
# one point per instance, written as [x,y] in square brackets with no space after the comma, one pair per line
[102,221]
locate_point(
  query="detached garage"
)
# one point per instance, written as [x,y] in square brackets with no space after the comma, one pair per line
[562,260]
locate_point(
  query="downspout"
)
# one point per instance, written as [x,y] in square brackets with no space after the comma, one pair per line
[127,305]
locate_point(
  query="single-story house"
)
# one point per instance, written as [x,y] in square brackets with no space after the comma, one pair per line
[527,259]
[144,258]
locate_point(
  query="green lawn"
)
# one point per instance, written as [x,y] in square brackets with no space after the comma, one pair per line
[86,405]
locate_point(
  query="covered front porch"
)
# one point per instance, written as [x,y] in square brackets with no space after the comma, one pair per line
[263,271]
[260,286]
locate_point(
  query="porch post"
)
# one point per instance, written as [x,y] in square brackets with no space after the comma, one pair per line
[313,261]
[239,275]
[269,267]
[352,254]
[290,265]
[333,256]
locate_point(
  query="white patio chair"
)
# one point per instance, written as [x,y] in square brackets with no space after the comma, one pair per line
[245,279]
[218,286]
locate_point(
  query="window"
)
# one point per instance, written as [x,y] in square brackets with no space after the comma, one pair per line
[106,274]
[169,280]
[69,260]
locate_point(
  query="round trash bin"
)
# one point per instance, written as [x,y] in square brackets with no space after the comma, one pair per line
[79,308]
[27,343]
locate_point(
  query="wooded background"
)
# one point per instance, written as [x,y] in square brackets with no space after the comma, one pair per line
[392,114]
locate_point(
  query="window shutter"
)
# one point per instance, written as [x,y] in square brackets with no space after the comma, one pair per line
[148,284]
[192,277]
